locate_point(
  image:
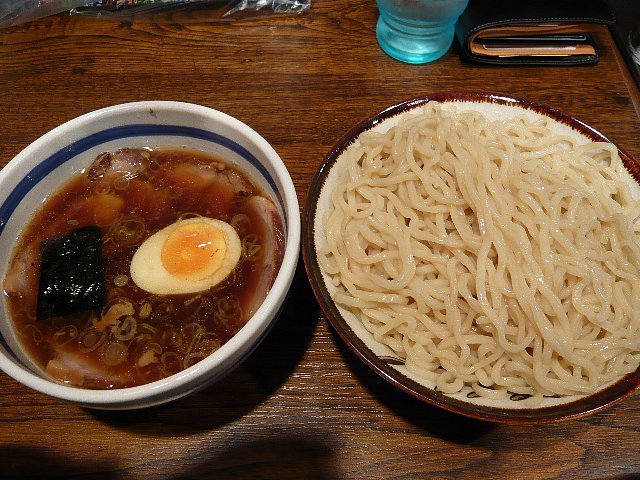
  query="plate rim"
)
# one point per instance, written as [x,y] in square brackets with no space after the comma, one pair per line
[581,407]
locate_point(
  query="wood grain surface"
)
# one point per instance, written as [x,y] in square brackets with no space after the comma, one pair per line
[302,406]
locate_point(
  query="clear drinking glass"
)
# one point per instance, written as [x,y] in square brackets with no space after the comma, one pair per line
[417,31]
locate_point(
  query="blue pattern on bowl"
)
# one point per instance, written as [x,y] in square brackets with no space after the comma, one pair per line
[44,168]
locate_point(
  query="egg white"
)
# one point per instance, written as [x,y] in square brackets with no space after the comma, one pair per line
[148,272]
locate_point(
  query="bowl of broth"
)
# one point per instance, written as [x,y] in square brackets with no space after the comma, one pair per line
[150,247]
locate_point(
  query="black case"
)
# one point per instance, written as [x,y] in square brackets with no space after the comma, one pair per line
[482,14]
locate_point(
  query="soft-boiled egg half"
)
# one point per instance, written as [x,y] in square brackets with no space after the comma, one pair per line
[187,256]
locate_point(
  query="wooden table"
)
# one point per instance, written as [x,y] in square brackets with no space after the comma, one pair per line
[302,406]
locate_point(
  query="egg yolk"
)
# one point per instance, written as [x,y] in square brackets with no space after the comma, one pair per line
[193,251]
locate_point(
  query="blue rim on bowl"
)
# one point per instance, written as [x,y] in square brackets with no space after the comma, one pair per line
[47,163]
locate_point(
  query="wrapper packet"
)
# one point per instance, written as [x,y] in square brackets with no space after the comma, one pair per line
[542,32]
[16,12]
[202,10]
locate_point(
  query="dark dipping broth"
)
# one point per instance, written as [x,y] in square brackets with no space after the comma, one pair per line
[138,337]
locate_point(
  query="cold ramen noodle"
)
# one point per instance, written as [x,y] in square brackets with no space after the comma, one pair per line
[494,257]
[141,266]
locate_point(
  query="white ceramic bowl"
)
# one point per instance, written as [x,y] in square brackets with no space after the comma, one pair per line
[46,164]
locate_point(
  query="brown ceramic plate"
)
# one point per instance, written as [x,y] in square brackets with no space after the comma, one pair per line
[381,359]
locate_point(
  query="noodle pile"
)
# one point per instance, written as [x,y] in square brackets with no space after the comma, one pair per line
[495,256]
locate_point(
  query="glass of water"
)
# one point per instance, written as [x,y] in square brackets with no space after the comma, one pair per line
[417,31]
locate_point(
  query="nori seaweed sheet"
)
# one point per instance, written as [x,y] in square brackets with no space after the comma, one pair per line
[71,274]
